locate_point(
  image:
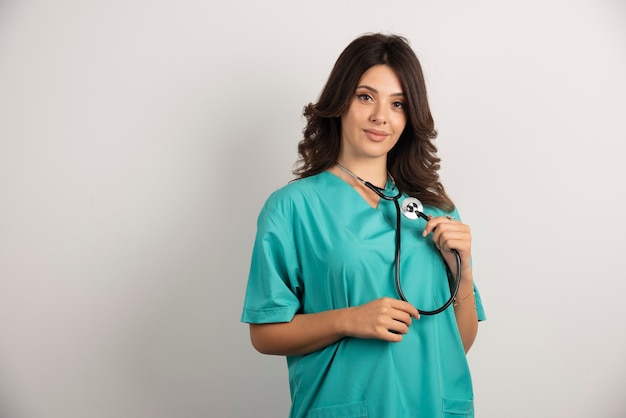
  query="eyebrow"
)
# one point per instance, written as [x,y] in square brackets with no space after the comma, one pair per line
[373,90]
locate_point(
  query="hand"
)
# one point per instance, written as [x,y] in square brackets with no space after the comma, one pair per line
[384,319]
[448,235]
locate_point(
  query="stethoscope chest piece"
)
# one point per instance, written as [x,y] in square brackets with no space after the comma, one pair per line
[412,207]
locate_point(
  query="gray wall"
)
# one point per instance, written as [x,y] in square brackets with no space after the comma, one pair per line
[139,139]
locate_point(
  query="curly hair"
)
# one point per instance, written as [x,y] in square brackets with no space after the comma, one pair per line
[413,161]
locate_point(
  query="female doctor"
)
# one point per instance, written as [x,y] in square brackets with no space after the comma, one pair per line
[321,284]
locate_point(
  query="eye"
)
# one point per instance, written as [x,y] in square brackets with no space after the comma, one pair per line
[398,105]
[364,97]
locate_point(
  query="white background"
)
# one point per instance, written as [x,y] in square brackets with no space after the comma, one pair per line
[138,140]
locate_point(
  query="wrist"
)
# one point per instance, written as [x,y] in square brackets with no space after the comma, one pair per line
[341,322]
[466,300]
[465,294]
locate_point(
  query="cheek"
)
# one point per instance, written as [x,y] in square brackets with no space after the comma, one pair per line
[400,124]
[349,119]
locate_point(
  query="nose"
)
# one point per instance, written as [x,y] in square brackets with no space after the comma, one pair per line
[378,115]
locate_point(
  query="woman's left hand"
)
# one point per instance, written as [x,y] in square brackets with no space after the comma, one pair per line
[448,235]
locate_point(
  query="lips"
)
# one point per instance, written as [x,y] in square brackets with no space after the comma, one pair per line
[375,134]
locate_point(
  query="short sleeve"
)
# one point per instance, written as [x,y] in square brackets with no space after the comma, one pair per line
[272,288]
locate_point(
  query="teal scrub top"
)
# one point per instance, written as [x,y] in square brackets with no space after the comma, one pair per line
[321,246]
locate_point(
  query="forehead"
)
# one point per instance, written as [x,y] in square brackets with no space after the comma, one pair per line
[381,78]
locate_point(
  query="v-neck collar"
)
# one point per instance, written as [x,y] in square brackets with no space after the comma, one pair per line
[359,217]
[340,184]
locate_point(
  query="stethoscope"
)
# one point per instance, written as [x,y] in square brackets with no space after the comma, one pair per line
[411,208]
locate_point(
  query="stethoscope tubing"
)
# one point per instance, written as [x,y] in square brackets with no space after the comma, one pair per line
[457,280]
[418,213]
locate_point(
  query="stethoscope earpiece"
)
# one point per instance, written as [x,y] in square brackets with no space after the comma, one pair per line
[412,208]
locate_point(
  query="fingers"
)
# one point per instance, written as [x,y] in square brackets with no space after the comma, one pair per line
[385,319]
[397,319]
[444,221]
[405,307]
[449,234]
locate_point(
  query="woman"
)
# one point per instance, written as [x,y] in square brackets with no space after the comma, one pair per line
[321,286]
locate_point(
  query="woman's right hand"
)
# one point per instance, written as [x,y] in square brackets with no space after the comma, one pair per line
[384,319]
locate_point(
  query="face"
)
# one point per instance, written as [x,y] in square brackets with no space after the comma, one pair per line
[376,116]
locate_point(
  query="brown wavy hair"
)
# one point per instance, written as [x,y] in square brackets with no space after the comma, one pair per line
[413,161]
